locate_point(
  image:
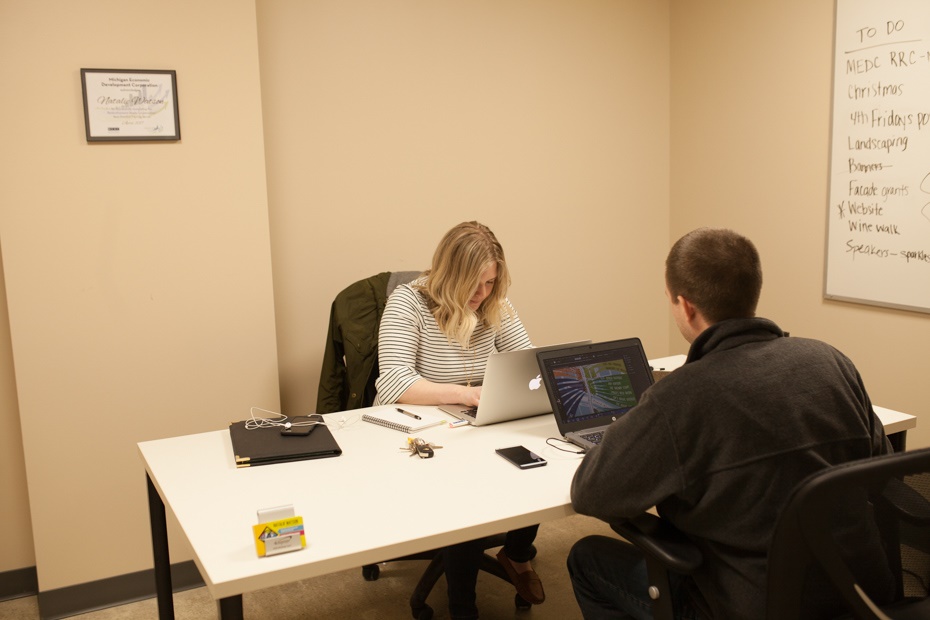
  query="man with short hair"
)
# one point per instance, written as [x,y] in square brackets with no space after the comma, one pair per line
[719,444]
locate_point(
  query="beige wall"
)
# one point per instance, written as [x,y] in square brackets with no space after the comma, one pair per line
[14,509]
[751,113]
[138,276]
[388,123]
[588,134]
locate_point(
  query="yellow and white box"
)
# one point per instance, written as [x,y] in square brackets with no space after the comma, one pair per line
[279,536]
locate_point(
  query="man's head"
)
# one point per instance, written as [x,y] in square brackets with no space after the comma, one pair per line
[717,272]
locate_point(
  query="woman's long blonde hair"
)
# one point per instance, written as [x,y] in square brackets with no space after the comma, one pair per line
[463,254]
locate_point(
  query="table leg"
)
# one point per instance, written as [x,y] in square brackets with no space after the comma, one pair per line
[898,441]
[159,527]
[230,607]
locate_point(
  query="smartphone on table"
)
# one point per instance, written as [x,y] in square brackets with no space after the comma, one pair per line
[521,457]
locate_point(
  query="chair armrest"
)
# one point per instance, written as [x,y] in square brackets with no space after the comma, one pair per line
[661,541]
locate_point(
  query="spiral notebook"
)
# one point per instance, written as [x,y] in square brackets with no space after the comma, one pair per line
[391,417]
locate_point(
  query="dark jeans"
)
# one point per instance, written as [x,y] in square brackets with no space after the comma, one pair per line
[462,562]
[610,581]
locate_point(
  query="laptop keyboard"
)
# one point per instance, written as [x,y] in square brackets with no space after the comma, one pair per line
[594,437]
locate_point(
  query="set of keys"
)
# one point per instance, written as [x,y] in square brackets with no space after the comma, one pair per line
[418,446]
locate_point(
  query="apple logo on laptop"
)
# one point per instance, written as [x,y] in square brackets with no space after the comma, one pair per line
[535,383]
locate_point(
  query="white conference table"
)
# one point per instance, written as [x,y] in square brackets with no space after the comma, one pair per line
[371,504]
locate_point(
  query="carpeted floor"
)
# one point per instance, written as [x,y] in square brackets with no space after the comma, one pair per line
[347,595]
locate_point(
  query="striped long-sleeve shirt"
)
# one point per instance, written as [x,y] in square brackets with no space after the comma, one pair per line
[411,346]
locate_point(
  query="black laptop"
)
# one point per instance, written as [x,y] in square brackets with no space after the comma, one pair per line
[266,446]
[592,385]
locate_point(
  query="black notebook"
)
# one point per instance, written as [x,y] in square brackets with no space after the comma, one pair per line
[264,446]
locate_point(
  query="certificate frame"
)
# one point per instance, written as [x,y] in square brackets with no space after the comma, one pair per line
[130,105]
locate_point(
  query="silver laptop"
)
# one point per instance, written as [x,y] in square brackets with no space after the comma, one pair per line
[590,386]
[512,388]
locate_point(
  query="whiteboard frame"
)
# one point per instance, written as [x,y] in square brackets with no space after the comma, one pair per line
[826,258]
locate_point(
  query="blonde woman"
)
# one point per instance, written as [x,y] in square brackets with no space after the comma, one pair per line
[435,338]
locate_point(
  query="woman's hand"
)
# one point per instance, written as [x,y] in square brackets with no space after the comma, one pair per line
[470,396]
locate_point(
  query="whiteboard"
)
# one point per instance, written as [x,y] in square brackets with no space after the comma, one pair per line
[878,223]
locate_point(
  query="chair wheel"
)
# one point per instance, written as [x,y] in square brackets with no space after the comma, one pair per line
[520,602]
[370,572]
[422,613]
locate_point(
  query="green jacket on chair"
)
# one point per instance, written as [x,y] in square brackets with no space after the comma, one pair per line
[350,360]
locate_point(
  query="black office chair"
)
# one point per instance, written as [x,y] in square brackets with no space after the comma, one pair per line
[810,571]
[347,381]
[434,570]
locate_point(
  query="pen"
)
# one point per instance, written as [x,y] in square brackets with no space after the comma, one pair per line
[412,415]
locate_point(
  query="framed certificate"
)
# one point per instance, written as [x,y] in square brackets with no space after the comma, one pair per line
[124,104]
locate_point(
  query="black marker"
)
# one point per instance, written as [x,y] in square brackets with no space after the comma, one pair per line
[412,415]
